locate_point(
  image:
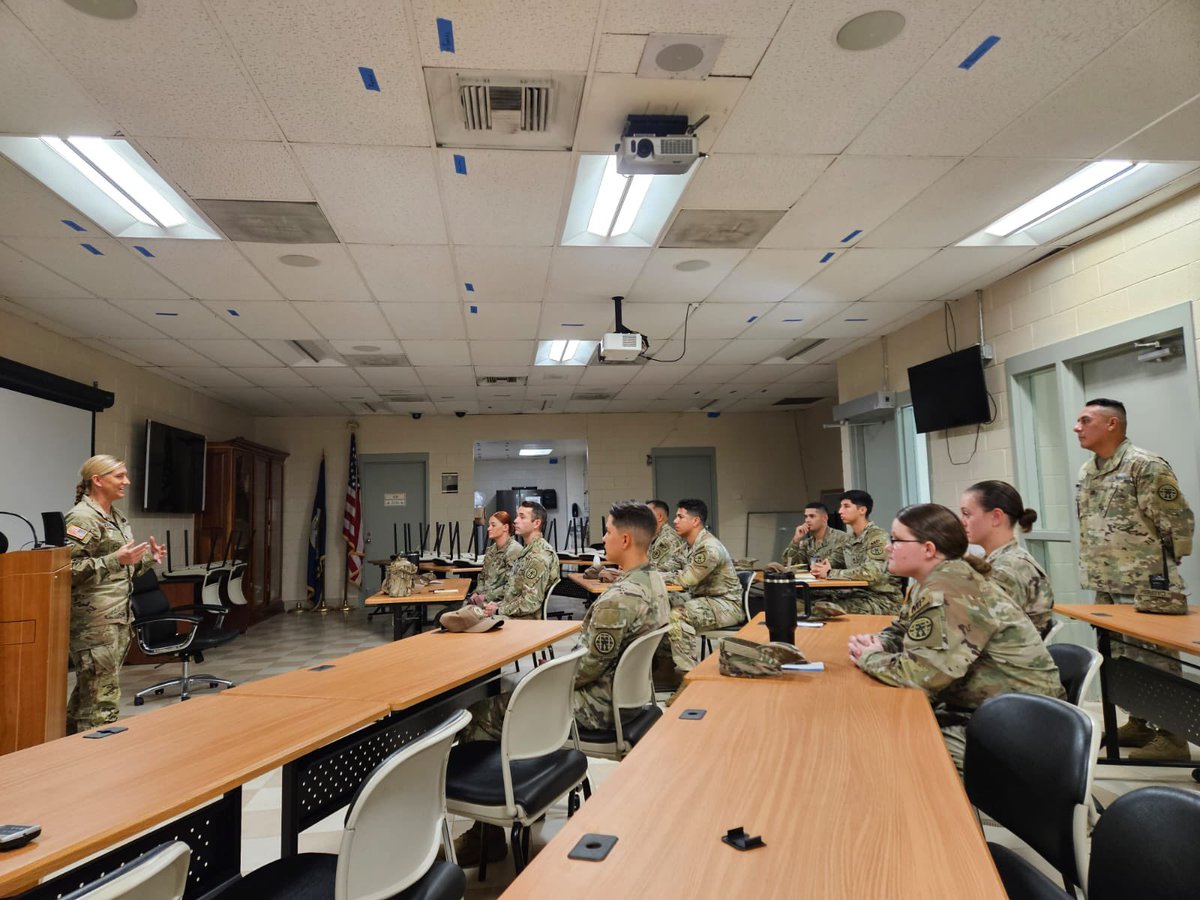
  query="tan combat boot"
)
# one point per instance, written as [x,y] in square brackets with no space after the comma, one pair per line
[1135,733]
[1165,747]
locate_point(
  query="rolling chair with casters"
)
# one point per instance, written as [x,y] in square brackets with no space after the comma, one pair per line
[394,827]
[160,874]
[632,688]
[154,628]
[1028,764]
[746,578]
[511,783]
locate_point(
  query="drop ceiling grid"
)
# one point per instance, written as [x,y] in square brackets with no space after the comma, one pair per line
[188,85]
[942,272]
[593,273]
[399,274]
[89,317]
[160,351]
[424,321]
[358,321]
[180,319]
[857,272]
[437,353]
[229,169]
[304,58]
[27,209]
[877,315]
[661,282]
[502,274]
[335,279]
[114,274]
[265,320]
[503,322]
[723,321]
[744,181]
[487,354]
[21,276]
[207,270]
[767,276]
[582,321]
[1175,137]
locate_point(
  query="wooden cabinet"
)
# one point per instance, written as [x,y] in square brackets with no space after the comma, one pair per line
[243,510]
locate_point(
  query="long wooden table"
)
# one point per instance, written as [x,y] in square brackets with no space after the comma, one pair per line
[90,794]
[408,612]
[852,792]
[1164,698]
[595,586]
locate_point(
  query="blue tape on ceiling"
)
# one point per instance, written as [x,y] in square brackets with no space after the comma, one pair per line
[90,249]
[370,82]
[474,310]
[713,415]
[445,35]
[852,235]
[977,54]
[827,257]
[460,164]
[553,460]
[793,320]
[142,250]
[751,319]
[470,287]
[855,320]
[166,314]
[233,312]
[571,324]
[74,226]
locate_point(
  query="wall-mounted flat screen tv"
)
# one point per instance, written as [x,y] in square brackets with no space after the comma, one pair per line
[173,479]
[949,392]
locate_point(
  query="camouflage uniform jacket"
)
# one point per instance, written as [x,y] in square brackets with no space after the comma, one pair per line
[497,568]
[961,640]
[100,586]
[708,573]
[1129,507]
[668,551]
[808,549]
[532,574]
[634,605]
[1025,582]
[863,557]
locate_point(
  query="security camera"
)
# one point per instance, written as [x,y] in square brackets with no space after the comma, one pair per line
[460,413]
[415,415]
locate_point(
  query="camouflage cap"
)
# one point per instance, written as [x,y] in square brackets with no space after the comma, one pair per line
[823,610]
[470,618]
[1165,603]
[746,659]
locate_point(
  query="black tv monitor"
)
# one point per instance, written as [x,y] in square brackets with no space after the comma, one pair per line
[949,392]
[173,478]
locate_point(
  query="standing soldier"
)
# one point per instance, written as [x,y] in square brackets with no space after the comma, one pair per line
[104,562]
[1134,528]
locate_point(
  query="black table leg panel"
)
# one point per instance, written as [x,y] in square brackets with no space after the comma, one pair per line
[1168,700]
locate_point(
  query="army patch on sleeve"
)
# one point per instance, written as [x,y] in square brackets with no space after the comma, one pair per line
[701,556]
[877,552]
[80,534]
[603,644]
[1168,492]
[920,628]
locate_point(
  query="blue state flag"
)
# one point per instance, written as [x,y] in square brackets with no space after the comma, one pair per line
[316,541]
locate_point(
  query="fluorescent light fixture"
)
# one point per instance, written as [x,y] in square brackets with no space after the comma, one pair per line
[1087,180]
[558,349]
[534,451]
[614,210]
[563,352]
[618,201]
[108,181]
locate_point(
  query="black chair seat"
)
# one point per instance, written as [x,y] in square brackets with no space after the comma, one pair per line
[207,638]
[1021,880]
[633,730]
[311,876]
[475,776]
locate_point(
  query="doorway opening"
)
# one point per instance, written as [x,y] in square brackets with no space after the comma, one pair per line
[552,472]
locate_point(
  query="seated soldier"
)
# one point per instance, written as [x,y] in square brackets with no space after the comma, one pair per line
[711,596]
[533,572]
[634,605]
[668,551]
[863,557]
[814,540]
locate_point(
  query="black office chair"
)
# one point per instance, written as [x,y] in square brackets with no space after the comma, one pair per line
[1144,846]
[154,628]
[745,580]
[1077,668]
[1028,764]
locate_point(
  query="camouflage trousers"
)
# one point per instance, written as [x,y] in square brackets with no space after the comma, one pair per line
[857,602]
[692,615]
[487,715]
[955,738]
[97,652]
[1140,651]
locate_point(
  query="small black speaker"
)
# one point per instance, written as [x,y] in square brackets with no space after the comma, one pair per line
[54,525]
[549,498]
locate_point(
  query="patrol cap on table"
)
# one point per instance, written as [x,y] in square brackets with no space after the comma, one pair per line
[470,618]
[746,659]
[823,610]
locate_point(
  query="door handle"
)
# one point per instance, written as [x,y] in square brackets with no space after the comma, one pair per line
[367,538]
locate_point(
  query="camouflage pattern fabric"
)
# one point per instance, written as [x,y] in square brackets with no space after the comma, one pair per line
[401,578]
[1140,651]
[1025,582]
[746,659]
[498,564]
[100,614]
[668,551]
[961,640]
[796,555]
[711,598]
[532,574]
[635,605]
[1130,507]
[863,557]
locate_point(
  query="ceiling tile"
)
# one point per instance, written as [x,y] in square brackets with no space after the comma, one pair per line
[791,320]
[388,378]
[670,358]
[576,321]
[722,320]
[334,279]
[240,352]
[657,321]
[766,276]
[188,81]
[877,316]
[379,346]
[419,321]
[506,274]
[20,276]
[271,377]
[507,197]
[210,377]
[115,274]
[254,400]
[744,352]
[375,195]
[103,347]
[179,318]
[437,353]
[501,353]
[208,270]
[742,181]
[698,17]
[858,272]
[1175,137]
[27,209]
[607,375]
[509,34]
[661,282]
[309,400]
[163,352]
[593,273]
[407,274]
[449,374]
[229,170]
[968,197]
[855,194]
[496,321]
[275,320]
[322,376]
[304,58]
[944,271]
[90,317]
[620,53]
[554,377]
[740,56]
[345,321]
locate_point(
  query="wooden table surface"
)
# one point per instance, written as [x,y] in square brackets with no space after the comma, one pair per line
[820,582]
[90,794]
[429,593]
[596,586]
[404,673]
[852,792]
[1177,632]
[827,644]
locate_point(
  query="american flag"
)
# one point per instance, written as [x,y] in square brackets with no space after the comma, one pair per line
[352,522]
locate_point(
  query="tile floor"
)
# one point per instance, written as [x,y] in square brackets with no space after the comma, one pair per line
[287,642]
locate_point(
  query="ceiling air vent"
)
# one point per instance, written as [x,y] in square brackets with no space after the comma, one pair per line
[504,109]
[495,380]
[592,395]
[796,401]
[372,360]
[524,106]
[270,221]
[404,398]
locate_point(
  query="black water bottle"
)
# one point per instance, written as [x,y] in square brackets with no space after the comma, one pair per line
[414,558]
[779,600]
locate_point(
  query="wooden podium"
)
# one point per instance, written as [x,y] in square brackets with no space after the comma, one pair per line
[35,615]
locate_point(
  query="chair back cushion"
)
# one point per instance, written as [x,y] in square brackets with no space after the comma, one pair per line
[540,712]
[1074,663]
[148,599]
[1147,844]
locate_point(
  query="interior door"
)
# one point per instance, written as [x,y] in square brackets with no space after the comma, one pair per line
[877,467]
[394,492]
[687,473]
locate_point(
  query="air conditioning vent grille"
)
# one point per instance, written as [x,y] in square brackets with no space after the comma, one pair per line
[492,380]
[796,401]
[592,395]
[485,105]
